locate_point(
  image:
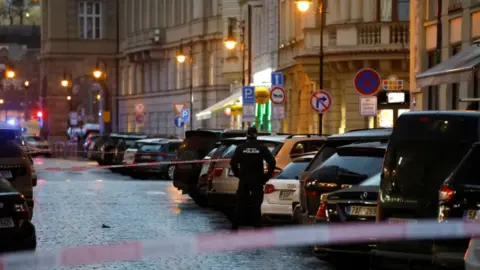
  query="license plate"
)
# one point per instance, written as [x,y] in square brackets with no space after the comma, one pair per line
[362,211]
[286,195]
[146,157]
[6,174]
[470,215]
[6,223]
[401,220]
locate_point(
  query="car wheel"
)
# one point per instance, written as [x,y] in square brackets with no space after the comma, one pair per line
[170,172]
[30,243]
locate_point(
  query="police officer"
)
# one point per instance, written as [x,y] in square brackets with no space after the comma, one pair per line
[247,165]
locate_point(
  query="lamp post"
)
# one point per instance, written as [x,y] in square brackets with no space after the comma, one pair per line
[26,85]
[181,57]
[100,75]
[66,83]
[231,42]
[303,6]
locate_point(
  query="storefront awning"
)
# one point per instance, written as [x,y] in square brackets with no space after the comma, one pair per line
[458,68]
[207,113]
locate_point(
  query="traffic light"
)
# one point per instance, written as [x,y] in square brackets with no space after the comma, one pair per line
[39,114]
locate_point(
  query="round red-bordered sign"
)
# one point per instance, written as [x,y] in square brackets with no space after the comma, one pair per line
[367,82]
[278,95]
[321,101]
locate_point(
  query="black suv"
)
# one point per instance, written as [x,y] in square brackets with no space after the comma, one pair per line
[304,213]
[417,182]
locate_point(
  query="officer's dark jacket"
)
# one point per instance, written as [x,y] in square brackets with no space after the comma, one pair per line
[247,162]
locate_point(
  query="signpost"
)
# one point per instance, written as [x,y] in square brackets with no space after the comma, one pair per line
[178,122]
[277,95]
[140,118]
[368,106]
[139,108]
[185,115]
[248,100]
[367,82]
[321,101]
[277,79]
[178,107]
[392,83]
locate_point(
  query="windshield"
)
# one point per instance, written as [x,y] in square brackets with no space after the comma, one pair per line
[33,139]
[292,170]
[151,147]
[372,181]
[353,164]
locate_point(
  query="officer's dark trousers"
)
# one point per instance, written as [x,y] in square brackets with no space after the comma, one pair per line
[249,202]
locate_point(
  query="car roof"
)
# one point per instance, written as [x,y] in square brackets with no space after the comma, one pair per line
[363,133]
[475,114]
[301,158]
[151,140]
[380,145]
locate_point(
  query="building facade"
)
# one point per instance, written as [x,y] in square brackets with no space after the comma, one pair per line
[460,33]
[139,61]
[357,34]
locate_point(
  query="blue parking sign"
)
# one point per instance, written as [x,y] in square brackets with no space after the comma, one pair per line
[185,115]
[248,95]
[277,79]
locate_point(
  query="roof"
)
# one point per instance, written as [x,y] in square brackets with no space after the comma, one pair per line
[362,133]
[380,145]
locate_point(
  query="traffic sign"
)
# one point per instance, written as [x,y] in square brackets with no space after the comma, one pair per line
[139,107]
[140,118]
[392,83]
[178,107]
[248,95]
[185,115]
[367,82]
[321,101]
[368,106]
[178,122]
[277,78]
[277,95]
[278,112]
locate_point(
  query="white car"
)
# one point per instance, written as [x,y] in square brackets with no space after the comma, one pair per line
[281,193]
[472,256]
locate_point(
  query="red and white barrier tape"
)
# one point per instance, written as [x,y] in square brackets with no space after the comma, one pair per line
[145,164]
[243,240]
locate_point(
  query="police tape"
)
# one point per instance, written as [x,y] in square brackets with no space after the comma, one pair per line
[142,164]
[206,243]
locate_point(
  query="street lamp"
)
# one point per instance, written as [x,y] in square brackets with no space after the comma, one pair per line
[97,73]
[99,97]
[231,42]
[101,76]
[181,57]
[303,6]
[26,84]
[66,83]
[10,74]
[1,101]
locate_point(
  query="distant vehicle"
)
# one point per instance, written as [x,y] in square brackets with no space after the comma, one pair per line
[280,192]
[38,145]
[164,150]
[16,231]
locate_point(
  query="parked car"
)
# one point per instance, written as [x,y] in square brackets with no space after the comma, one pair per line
[222,184]
[355,204]
[197,144]
[199,194]
[420,180]
[305,211]
[113,146]
[16,167]
[89,140]
[129,154]
[162,150]
[347,167]
[280,192]
[16,231]
[122,146]
[39,146]
[93,152]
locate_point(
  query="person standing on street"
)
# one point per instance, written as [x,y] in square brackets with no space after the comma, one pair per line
[247,165]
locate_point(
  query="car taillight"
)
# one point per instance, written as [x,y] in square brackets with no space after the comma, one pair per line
[269,188]
[445,193]
[310,193]
[218,172]
[322,209]
[21,208]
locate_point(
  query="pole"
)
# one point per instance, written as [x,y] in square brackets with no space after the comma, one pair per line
[191,85]
[320,76]
[25,104]
[242,49]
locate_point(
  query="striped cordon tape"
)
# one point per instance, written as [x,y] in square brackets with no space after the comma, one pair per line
[238,241]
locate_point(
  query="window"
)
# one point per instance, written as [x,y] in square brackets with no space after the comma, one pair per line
[172,147]
[90,19]
[298,149]
[292,170]
[393,10]
[433,99]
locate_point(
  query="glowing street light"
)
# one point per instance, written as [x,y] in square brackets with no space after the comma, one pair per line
[10,74]
[26,84]
[97,73]
[303,5]
[1,101]
[99,97]
[230,43]
[181,57]
[65,83]
[69,97]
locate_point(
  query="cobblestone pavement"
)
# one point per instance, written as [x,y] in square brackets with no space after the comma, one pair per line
[72,207]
